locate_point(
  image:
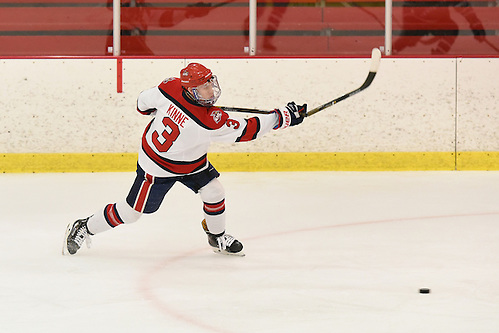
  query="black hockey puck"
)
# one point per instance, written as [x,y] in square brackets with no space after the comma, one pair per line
[424,291]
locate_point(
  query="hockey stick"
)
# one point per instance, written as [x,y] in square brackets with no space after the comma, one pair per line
[375,60]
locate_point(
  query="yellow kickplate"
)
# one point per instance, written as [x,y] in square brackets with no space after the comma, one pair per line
[385,161]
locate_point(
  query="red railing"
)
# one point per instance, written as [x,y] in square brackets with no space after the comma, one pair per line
[219,28]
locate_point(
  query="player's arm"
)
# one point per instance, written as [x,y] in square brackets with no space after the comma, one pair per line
[147,101]
[236,129]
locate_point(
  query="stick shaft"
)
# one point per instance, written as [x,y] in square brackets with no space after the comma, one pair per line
[367,83]
[375,60]
[369,80]
[245,110]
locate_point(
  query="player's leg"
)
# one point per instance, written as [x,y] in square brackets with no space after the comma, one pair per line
[111,216]
[145,196]
[212,194]
[105,219]
[213,197]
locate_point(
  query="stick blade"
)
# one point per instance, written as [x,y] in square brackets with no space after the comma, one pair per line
[375,60]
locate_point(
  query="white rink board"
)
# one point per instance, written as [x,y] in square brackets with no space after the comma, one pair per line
[64,105]
[386,117]
[71,105]
[478,93]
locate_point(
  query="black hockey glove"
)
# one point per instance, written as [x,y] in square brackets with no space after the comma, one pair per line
[290,115]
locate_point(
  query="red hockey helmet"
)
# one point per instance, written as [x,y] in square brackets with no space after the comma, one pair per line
[194,75]
[200,83]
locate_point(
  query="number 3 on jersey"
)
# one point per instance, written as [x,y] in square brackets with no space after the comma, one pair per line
[169,135]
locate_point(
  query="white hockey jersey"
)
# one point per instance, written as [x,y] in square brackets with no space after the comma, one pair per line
[176,141]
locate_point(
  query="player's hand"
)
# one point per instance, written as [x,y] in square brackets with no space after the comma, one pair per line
[290,115]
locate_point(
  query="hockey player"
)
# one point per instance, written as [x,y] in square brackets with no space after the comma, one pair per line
[174,149]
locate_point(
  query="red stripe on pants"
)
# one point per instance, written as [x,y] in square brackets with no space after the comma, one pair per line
[144,193]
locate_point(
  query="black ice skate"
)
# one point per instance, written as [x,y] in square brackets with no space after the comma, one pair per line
[223,243]
[76,234]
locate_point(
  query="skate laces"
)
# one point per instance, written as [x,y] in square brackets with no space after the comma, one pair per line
[82,235]
[225,241]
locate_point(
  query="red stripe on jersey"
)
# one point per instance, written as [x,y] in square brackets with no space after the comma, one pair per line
[210,118]
[140,203]
[111,215]
[146,112]
[177,167]
[251,130]
[214,209]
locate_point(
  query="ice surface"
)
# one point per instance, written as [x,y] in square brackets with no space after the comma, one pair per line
[325,252]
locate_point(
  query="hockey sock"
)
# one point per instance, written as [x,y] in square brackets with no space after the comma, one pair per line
[214,214]
[213,196]
[112,216]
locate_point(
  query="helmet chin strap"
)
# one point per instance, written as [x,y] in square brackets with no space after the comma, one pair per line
[190,95]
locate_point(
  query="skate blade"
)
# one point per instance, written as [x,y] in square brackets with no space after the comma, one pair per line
[237,254]
[65,251]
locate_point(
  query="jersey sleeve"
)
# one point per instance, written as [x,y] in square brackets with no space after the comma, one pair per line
[238,129]
[148,100]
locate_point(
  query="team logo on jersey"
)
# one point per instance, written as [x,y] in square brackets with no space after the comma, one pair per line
[217,116]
